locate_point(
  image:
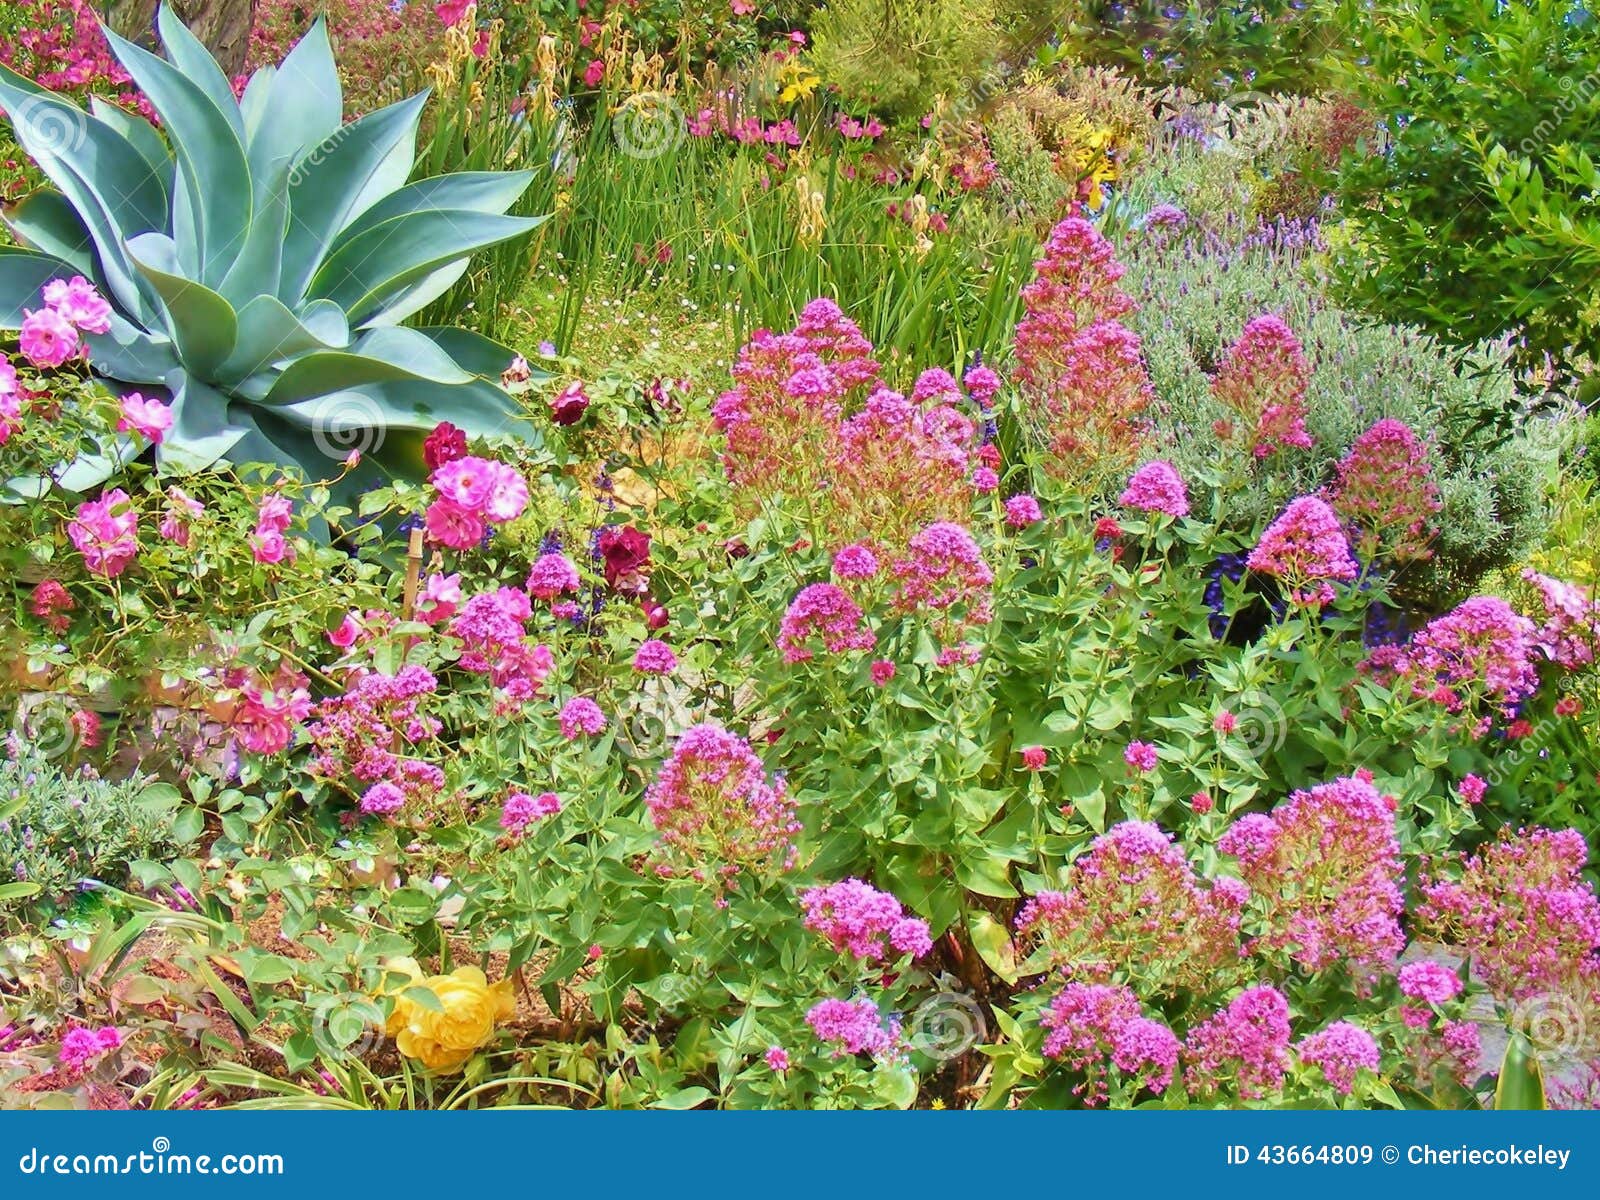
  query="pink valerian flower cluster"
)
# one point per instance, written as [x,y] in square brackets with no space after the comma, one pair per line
[1570,634]
[943,571]
[1262,380]
[51,602]
[581,717]
[1078,367]
[273,516]
[105,531]
[1157,487]
[1480,653]
[1134,904]
[858,919]
[1340,1050]
[473,491]
[1432,983]
[1100,1028]
[491,628]
[787,399]
[715,808]
[366,739]
[268,710]
[552,575]
[901,463]
[60,45]
[1385,494]
[1324,872]
[1022,510]
[81,1048]
[855,561]
[654,657]
[1245,1045]
[1306,551]
[822,612]
[522,810]
[854,1027]
[1523,914]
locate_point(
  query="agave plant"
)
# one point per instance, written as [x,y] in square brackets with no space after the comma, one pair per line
[260,258]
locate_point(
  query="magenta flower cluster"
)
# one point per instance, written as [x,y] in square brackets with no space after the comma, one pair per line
[716,810]
[822,613]
[1100,1030]
[472,492]
[1305,549]
[856,918]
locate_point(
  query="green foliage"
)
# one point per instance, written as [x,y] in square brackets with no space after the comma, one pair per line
[1213,49]
[1491,458]
[260,266]
[1475,221]
[59,827]
[896,57]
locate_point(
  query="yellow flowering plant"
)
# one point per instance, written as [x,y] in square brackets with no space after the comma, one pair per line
[461,1019]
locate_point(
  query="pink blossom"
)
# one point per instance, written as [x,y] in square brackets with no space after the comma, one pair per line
[1141,756]
[105,531]
[77,302]
[826,613]
[551,575]
[581,715]
[853,1027]
[654,658]
[346,634]
[451,525]
[858,919]
[47,339]
[522,810]
[441,595]
[1341,1050]
[1429,981]
[882,671]
[1022,510]
[1306,550]
[1246,1043]
[1157,487]
[855,561]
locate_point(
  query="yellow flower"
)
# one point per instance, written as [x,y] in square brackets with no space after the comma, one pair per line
[469,1008]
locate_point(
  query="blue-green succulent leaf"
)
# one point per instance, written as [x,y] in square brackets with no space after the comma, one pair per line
[474,191]
[269,334]
[301,105]
[189,55]
[381,268]
[213,174]
[255,272]
[202,431]
[116,192]
[46,221]
[131,354]
[339,180]
[23,274]
[471,350]
[202,324]
[142,136]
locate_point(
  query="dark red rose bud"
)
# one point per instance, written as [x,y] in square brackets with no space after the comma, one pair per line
[569,406]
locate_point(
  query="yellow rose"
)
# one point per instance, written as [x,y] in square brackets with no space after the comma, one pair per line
[469,1009]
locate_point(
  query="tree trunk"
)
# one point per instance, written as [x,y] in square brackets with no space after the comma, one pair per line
[223,25]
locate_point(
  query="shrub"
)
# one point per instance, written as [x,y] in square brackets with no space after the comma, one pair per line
[64,830]
[1197,289]
[1474,222]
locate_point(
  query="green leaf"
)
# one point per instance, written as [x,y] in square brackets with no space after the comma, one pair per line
[993,943]
[188,825]
[201,432]
[212,205]
[1521,1082]
[375,275]
[23,274]
[300,104]
[895,1085]
[349,172]
[18,891]
[45,220]
[202,324]
[683,1098]
[985,874]
[270,334]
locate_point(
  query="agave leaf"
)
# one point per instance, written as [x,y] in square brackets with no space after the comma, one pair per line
[45,220]
[474,352]
[202,431]
[142,136]
[417,295]
[214,175]
[479,407]
[344,176]
[260,262]
[23,274]
[475,191]
[202,323]
[116,192]
[382,356]
[189,55]
[300,103]
[376,268]
[270,334]
[132,355]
